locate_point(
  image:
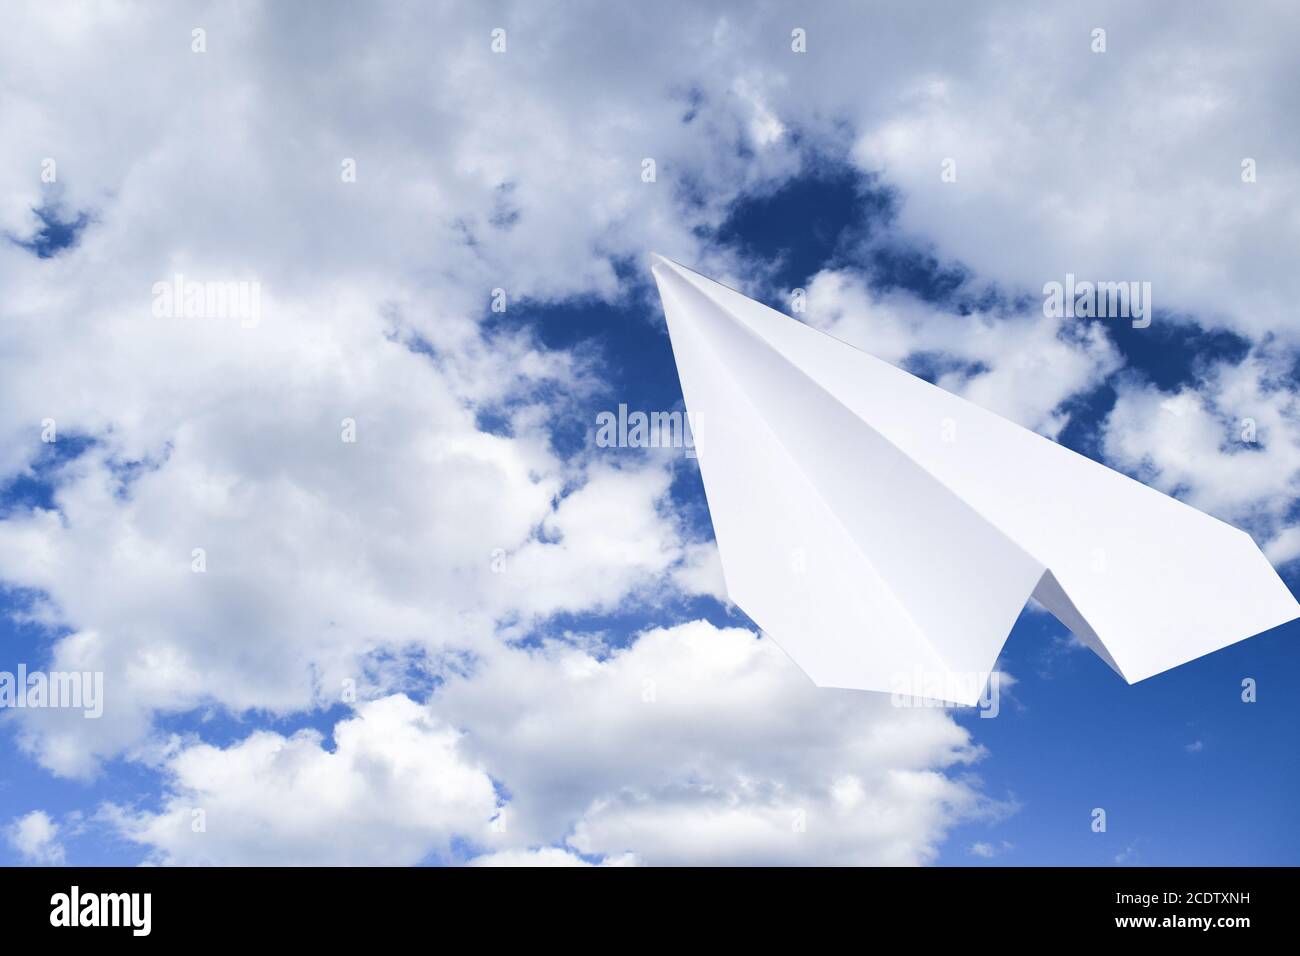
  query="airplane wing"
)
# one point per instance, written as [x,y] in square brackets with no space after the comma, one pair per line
[887,534]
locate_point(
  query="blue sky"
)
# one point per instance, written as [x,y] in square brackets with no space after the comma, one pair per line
[534,625]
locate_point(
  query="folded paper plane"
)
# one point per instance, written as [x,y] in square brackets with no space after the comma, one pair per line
[887,534]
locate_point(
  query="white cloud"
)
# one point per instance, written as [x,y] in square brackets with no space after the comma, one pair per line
[987,851]
[545,856]
[701,571]
[322,555]
[317,552]
[1285,547]
[1129,856]
[693,745]
[698,744]
[36,838]
[1229,445]
[1132,172]
[396,787]
[1022,367]
[601,542]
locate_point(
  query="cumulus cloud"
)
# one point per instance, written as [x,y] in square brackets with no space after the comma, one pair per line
[1116,165]
[1023,366]
[36,838]
[700,571]
[698,744]
[1228,443]
[545,856]
[427,532]
[987,851]
[695,744]
[396,787]
[333,550]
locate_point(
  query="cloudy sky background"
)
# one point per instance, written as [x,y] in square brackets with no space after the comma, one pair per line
[547,669]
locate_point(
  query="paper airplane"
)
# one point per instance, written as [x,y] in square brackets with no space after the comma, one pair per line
[887,534]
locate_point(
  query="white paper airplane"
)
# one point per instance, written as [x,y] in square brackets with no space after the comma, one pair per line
[887,534]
